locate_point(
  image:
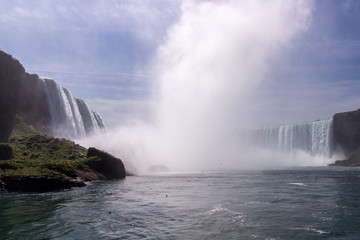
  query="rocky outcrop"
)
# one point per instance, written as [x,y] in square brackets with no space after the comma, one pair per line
[105,164]
[346,131]
[35,162]
[39,183]
[352,160]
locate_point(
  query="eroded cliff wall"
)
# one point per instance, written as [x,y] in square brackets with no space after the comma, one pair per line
[43,103]
[346,131]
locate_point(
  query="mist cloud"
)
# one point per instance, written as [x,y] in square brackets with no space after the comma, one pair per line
[207,71]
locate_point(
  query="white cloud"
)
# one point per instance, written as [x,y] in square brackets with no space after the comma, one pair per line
[218,53]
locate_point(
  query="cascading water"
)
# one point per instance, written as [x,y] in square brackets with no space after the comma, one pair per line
[91,119]
[70,117]
[314,138]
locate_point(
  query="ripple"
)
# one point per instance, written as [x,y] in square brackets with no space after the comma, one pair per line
[282,205]
[220,209]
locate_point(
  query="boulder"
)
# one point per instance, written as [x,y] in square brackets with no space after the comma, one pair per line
[105,164]
[6,151]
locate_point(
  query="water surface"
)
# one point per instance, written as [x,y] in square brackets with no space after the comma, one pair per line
[297,203]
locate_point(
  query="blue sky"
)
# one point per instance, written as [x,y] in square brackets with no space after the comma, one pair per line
[103,51]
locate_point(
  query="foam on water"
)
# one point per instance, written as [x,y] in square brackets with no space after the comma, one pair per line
[298,184]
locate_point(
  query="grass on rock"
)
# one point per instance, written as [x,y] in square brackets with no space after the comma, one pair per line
[36,154]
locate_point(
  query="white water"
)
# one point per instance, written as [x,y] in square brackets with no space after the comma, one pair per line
[313,138]
[69,115]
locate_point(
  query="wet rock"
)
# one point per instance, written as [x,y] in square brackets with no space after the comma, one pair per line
[105,164]
[352,160]
[39,183]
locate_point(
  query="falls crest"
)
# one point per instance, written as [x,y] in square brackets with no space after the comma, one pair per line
[314,138]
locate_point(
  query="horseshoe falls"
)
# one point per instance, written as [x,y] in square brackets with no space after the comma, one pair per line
[314,138]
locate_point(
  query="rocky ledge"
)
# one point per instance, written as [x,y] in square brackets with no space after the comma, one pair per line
[34,162]
[352,160]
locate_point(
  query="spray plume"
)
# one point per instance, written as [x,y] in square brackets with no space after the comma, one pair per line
[207,70]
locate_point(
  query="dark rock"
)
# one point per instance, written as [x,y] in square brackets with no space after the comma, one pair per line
[6,151]
[352,160]
[2,186]
[348,162]
[346,131]
[34,105]
[11,80]
[105,164]
[39,183]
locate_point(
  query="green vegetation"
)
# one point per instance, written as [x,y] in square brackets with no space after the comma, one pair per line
[34,162]
[36,154]
[353,160]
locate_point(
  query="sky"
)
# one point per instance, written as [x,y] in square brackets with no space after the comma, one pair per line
[114,54]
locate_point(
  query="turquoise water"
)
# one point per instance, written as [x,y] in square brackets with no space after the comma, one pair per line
[298,203]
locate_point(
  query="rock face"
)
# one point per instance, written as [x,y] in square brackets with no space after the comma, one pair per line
[34,106]
[346,131]
[11,80]
[105,164]
[6,151]
[43,103]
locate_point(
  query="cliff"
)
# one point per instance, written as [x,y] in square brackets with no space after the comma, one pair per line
[346,131]
[34,162]
[12,75]
[43,103]
[32,108]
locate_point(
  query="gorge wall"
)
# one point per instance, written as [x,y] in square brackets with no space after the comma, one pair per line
[51,109]
[43,103]
[12,75]
[346,131]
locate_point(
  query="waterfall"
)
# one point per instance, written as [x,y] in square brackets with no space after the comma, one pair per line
[91,119]
[70,117]
[314,138]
